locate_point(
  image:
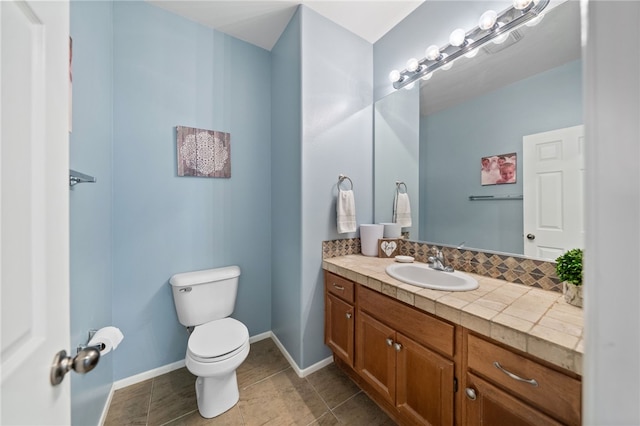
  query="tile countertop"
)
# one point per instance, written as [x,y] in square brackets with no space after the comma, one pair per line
[535,321]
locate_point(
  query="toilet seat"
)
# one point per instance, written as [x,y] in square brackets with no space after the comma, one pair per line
[217,340]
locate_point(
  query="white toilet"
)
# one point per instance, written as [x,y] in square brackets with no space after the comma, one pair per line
[218,344]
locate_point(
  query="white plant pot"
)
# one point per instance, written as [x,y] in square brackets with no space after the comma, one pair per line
[572,293]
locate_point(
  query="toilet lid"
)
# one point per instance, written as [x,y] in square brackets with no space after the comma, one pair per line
[217,338]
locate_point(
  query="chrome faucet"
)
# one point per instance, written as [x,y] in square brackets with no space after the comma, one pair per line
[438,263]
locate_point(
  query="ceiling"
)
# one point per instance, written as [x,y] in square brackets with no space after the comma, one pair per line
[261,22]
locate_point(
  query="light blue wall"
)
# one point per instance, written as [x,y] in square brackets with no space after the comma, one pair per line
[397,154]
[337,134]
[169,71]
[286,206]
[90,205]
[450,156]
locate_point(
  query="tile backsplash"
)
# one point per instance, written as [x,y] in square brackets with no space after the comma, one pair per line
[515,269]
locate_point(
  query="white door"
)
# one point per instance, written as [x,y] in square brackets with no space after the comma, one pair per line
[34,212]
[553,181]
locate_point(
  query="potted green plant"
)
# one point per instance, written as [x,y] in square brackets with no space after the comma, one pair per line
[569,270]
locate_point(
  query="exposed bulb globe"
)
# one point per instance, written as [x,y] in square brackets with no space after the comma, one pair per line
[471,53]
[535,21]
[394,76]
[488,20]
[521,4]
[410,85]
[501,38]
[457,37]
[427,76]
[447,66]
[412,65]
[432,53]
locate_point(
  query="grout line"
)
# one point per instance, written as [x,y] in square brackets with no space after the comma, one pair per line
[150,398]
[179,417]
[266,378]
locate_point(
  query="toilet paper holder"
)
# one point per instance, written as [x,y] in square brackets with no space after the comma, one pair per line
[99,346]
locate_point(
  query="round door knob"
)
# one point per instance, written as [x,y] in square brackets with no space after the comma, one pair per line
[531,237]
[471,393]
[82,363]
[348,315]
[389,342]
[397,347]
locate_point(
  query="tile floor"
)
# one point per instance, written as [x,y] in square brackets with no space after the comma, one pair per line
[270,394]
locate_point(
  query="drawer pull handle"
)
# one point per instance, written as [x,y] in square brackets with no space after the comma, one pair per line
[532,382]
[339,287]
[471,393]
[397,347]
[389,342]
[348,315]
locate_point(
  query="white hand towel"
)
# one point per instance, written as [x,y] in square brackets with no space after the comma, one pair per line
[402,214]
[346,210]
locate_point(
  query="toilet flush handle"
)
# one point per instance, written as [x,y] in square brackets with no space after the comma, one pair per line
[185,289]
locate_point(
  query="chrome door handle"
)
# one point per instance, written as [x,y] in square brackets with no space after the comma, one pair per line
[532,382]
[531,237]
[82,363]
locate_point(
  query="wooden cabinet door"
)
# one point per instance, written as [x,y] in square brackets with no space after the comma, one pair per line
[492,406]
[375,356]
[339,327]
[425,388]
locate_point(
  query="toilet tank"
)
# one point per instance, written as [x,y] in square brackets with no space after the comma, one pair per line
[207,295]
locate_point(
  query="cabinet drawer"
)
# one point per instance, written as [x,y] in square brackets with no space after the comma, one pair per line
[421,327]
[341,287]
[553,392]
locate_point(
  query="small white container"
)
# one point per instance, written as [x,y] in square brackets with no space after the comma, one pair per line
[392,230]
[369,236]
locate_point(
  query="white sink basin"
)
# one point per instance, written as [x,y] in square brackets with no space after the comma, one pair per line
[422,275]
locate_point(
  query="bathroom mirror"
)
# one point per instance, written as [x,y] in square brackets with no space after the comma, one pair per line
[482,107]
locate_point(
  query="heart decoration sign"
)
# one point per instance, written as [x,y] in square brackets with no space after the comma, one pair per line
[387,247]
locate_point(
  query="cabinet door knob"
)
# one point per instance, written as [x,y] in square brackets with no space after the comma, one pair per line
[389,341]
[348,315]
[397,347]
[471,393]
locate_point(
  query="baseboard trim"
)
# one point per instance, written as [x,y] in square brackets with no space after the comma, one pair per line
[107,404]
[146,375]
[301,373]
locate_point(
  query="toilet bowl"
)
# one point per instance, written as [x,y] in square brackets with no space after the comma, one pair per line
[214,352]
[218,343]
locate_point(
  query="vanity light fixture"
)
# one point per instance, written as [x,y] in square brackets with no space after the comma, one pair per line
[492,26]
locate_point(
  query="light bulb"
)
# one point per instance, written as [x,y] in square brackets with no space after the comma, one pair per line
[457,37]
[471,53]
[488,20]
[394,76]
[432,53]
[410,85]
[501,38]
[535,21]
[412,65]
[427,76]
[447,66]
[521,4]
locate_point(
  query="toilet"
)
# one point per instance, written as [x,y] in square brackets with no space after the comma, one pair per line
[218,344]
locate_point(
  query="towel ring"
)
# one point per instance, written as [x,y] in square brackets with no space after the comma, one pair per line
[399,185]
[342,178]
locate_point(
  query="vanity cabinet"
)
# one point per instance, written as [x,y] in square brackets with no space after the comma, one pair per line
[339,316]
[405,356]
[506,387]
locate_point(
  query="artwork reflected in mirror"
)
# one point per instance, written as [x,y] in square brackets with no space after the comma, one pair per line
[499,169]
